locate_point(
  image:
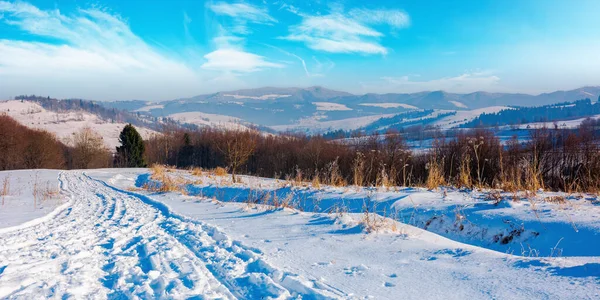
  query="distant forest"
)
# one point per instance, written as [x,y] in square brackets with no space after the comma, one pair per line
[547,113]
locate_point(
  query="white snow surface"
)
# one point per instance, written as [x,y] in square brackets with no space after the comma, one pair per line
[464,116]
[65,124]
[24,200]
[314,125]
[390,105]
[330,106]
[148,108]
[110,239]
[262,97]
[206,119]
[458,104]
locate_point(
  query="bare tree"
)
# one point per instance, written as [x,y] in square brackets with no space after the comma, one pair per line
[237,148]
[89,150]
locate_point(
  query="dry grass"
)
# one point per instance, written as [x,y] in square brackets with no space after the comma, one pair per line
[464,172]
[316,181]
[435,177]
[43,192]
[495,196]
[219,171]
[165,182]
[5,188]
[196,171]
[357,169]
[556,199]
[373,222]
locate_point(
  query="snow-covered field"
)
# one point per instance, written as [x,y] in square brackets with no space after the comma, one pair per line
[211,120]
[64,124]
[110,238]
[314,125]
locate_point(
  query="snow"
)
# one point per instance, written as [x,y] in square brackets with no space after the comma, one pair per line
[458,104]
[567,124]
[263,97]
[390,105]
[330,106]
[150,107]
[206,119]
[313,125]
[116,240]
[65,124]
[20,204]
[465,116]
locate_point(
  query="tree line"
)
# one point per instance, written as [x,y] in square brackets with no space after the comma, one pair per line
[25,148]
[556,159]
[549,158]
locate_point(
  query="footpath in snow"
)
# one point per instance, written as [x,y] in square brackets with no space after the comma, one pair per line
[106,238]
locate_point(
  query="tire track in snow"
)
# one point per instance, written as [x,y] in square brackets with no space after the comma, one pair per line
[241,269]
[110,243]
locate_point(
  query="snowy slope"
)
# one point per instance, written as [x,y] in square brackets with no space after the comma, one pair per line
[464,116]
[211,120]
[112,239]
[29,195]
[64,124]
[314,125]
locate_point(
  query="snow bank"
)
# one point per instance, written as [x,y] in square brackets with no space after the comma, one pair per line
[30,195]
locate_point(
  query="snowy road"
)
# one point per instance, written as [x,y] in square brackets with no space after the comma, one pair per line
[109,243]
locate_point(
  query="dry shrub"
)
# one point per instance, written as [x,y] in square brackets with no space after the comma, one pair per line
[373,222]
[556,199]
[495,196]
[335,177]
[316,181]
[166,182]
[464,172]
[220,171]
[196,171]
[435,177]
[357,169]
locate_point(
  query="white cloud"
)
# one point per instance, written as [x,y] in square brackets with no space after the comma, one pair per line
[95,55]
[464,83]
[230,56]
[234,60]
[242,11]
[351,33]
[394,18]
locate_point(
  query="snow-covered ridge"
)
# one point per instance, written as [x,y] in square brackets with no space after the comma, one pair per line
[315,125]
[206,119]
[65,124]
[390,105]
[458,104]
[150,107]
[330,106]
[263,97]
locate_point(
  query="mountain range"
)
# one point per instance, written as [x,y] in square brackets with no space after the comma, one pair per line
[326,109]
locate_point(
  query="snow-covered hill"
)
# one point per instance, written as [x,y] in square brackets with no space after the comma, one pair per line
[290,108]
[105,236]
[65,124]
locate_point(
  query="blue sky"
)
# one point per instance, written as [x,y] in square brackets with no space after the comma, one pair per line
[159,50]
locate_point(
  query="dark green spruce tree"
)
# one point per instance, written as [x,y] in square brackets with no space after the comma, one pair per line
[131,152]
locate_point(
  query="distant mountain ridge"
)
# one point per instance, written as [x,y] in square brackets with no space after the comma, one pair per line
[278,107]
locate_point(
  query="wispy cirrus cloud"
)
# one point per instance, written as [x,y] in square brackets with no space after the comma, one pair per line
[242,11]
[233,60]
[464,83]
[230,55]
[93,54]
[351,32]
[393,17]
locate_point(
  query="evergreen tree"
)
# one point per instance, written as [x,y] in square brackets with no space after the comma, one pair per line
[131,152]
